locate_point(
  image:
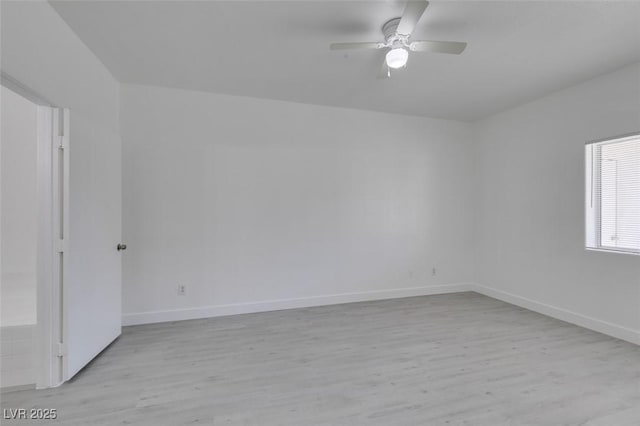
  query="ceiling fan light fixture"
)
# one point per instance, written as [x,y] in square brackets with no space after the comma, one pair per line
[398,41]
[397,58]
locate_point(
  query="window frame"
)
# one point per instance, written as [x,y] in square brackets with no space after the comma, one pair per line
[592,204]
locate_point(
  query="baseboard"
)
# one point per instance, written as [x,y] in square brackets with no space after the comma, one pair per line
[591,323]
[17,388]
[276,305]
[600,326]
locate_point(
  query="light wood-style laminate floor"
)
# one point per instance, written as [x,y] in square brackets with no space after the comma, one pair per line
[457,359]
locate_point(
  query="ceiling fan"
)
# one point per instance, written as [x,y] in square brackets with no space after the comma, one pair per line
[397,34]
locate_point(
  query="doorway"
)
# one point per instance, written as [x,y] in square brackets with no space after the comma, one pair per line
[19,225]
[34,188]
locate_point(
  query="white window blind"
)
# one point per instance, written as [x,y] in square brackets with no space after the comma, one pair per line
[613,194]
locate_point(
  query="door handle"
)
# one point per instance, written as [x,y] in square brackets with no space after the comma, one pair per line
[122,247]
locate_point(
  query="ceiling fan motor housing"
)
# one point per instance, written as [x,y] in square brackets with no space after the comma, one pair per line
[390,27]
[391,36]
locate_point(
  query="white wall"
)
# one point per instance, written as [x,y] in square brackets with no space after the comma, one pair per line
[18,217]
[248,201]
[41,52]
[531,196]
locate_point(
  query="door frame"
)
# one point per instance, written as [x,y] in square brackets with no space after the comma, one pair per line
[52,233]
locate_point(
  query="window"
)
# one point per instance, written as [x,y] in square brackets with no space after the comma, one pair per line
[613,195]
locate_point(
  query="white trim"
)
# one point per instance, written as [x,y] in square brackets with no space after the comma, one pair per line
[591,203]
[600,326]
[11,83]
[61,218]
[17,388]
[44,359]
[54,189]
[276,305]
[614,138]
[603,250]
[591,323]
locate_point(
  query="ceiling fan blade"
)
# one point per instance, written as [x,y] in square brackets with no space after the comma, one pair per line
[453,47]
[360,46]
[411,15]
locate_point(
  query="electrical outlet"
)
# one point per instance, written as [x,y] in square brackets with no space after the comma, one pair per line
[182,290]
[433,271]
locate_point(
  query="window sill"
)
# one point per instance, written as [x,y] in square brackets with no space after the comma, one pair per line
[603,250]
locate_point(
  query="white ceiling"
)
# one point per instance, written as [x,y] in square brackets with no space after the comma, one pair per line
[517,50]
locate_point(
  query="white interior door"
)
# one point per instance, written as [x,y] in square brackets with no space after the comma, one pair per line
[90,170]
